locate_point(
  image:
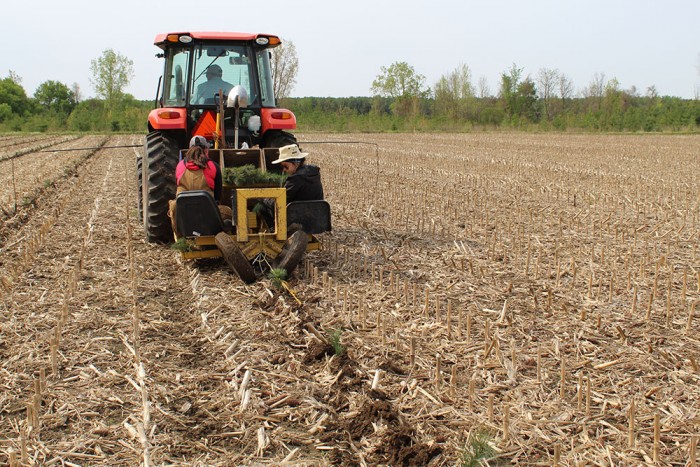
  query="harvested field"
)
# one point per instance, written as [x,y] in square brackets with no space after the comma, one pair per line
[534,292]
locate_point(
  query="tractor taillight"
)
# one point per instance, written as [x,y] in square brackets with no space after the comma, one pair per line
[282,115]
[169,114]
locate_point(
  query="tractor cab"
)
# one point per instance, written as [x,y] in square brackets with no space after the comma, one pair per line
[201,70]
[202,76]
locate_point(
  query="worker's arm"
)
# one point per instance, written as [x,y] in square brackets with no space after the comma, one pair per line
[293,185]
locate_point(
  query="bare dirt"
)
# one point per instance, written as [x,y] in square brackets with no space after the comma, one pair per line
[539,289]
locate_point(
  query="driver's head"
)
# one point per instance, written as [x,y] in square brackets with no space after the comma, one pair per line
[214,71]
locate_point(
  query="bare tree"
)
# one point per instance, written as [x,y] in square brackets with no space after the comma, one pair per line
[483,88]
[546,84]
[15,78]
[285,66]
[76,92]
[595,90]
[566,87]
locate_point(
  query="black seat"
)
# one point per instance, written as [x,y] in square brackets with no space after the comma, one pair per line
[198,214]
[313,216]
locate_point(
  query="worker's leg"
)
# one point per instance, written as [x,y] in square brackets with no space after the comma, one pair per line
[172,211]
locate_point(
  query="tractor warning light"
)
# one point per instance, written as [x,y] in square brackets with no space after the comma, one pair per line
[169,114]
[179,38]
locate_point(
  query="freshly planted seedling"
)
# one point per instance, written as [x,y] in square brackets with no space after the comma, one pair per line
[277,277]
[334,339]
[478,449]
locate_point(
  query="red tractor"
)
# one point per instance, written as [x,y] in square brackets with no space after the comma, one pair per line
[206,76]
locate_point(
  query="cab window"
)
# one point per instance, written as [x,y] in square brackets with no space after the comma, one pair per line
[219,68]
[267,93]
[174,86]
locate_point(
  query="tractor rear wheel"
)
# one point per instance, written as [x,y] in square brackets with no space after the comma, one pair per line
[158,185]
[291,253]
[234,257]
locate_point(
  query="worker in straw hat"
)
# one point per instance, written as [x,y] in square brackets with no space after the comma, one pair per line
[303,180]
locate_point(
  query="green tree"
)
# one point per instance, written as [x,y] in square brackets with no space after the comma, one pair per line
[401,82]
[518,96]
[614,105]
[88,116]
[509,86]
[55,96]
[12,94]
[111,73]
[285,66]
[5,112]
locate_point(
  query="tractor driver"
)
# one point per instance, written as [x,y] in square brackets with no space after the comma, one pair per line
[212,85]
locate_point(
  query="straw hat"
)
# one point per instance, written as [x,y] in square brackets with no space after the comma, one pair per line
[289,152]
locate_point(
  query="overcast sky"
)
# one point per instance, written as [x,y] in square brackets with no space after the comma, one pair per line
[342,45]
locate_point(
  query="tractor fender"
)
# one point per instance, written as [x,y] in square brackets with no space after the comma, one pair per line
[167,118]
[277,119]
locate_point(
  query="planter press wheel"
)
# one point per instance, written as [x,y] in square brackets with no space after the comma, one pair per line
[234,257]
[291,253]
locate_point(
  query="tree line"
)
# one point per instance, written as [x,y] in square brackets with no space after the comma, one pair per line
[402,102]
[399,101]
[57,107]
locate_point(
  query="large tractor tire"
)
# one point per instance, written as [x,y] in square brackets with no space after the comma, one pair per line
[277,139]
[158,185]
[234,257]
[292,252]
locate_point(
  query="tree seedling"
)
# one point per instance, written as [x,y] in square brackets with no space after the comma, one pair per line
[278,278]
[334,339]
[478,449]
